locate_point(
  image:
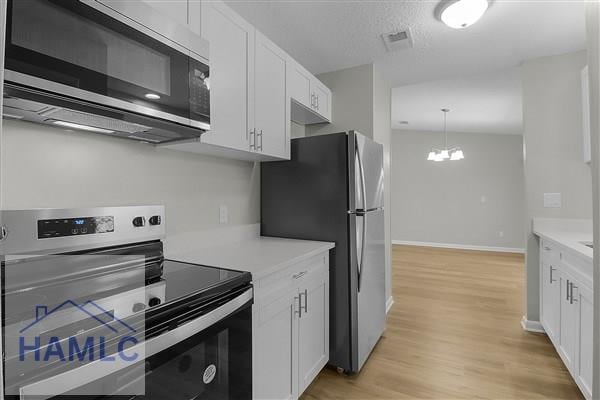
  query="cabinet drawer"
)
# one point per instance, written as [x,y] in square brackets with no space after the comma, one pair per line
[288,278]
[549,251]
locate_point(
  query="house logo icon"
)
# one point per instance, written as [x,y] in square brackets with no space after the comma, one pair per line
[78,347]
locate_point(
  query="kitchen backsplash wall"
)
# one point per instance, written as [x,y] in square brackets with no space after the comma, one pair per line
[47,167]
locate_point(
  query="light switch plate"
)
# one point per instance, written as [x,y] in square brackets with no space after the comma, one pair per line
[552,200]
[223,215]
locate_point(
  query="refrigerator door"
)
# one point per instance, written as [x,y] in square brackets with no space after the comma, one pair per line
[371,293]
[368,172]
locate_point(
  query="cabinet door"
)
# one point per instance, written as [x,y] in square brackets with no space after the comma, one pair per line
[551,301]
[584,304]
[322,100]
[176,10]
[299,84]
[271,117]
[568,321]
[230,38]
[276,349]
[313,336]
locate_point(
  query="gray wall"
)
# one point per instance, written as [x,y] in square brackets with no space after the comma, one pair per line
[442,202]
[382,133]
[48,167]
[552,131]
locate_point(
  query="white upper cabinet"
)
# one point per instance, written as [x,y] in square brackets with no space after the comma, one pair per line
[322,99]
[256,88]
[230,39]
[311,99]
[299,83]
[270,120]
[185,12]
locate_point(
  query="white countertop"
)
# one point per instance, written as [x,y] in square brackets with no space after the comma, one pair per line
[258,255]
[571,233]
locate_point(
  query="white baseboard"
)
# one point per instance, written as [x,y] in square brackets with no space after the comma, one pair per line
[460,246]
[388,304]
[532,326]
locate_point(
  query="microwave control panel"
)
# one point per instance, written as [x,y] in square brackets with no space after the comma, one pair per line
[52,228]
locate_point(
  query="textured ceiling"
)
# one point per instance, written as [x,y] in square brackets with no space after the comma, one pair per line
[327,35]
[488,103]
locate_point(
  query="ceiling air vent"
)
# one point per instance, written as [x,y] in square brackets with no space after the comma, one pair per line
[398,40]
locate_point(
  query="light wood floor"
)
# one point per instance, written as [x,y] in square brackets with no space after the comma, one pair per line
[454,333]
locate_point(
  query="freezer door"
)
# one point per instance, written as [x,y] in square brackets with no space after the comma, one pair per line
[371,292]
[368,172]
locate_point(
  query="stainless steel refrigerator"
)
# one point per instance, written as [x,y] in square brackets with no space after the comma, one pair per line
[332,190]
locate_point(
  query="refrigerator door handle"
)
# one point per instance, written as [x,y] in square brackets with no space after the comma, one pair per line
[363,213]
[362,251]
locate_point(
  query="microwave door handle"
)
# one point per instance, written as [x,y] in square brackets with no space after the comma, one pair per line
[98,369]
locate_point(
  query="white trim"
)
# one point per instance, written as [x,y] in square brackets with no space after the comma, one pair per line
[388,304]
[460,246]
[532,326]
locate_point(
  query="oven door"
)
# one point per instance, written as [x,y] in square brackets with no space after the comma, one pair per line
[207,358]
[85,50]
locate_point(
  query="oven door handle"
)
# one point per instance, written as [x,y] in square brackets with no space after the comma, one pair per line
[99,369]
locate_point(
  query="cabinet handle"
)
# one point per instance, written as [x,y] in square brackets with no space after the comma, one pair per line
[317,99]
[573,300]
[306,301]
[313,100]
[252,139]
[552,269]
[298,311]
[260,135]
[547,248]
[299,275]
[568,289]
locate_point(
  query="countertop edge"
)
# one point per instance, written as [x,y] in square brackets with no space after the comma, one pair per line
[573,245]
[327,246]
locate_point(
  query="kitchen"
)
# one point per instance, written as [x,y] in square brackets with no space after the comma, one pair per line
[201,156]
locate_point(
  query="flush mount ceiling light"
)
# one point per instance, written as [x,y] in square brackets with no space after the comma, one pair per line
[152,96]
[460,14]
[453,154]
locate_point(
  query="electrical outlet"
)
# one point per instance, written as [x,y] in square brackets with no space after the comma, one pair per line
[552,200]
[501,234]
[223,215]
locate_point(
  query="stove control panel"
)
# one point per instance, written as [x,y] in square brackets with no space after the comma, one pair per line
[61,227]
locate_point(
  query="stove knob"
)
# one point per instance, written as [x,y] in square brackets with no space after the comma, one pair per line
[155,220]
[154,301]
[139,221]
[137,307]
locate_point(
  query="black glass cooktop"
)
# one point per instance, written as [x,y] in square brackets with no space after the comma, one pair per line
[184,279]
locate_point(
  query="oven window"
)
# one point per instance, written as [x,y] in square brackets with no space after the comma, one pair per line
[215,364]
[73,44]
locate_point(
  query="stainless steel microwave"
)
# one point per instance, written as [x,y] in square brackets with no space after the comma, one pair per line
[103,66]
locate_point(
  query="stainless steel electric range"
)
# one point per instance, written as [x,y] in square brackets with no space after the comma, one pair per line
[90,308]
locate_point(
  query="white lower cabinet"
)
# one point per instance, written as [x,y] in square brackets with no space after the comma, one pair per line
[291,329]
[551,286]
[567,310]
[583,299]
[313,328]
[568,326]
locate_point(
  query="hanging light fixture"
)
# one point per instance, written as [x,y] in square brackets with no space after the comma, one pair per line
[453,154]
